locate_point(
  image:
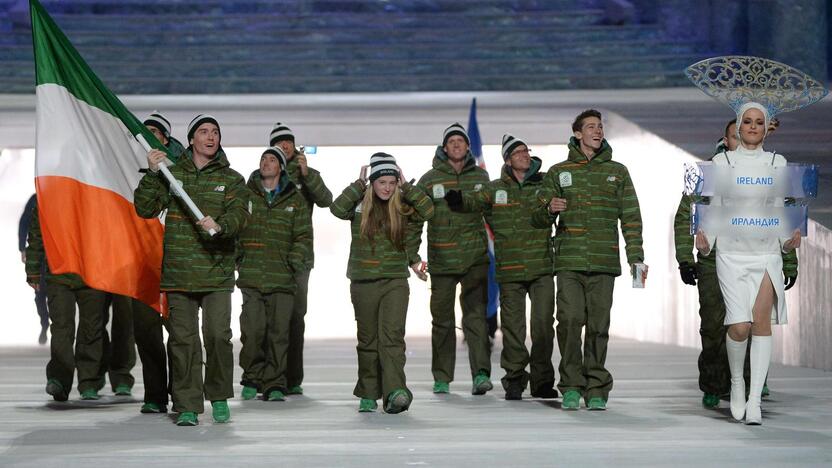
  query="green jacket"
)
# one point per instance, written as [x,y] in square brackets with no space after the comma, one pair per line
[684,241]
[523,252]
[599,193]
[380,259]
[175,149]
[193,260]
[315,192]
[274,243]
[36,256]
[456,241]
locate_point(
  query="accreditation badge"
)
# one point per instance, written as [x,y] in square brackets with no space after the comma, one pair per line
[438,191]
[565,179]
[501,197]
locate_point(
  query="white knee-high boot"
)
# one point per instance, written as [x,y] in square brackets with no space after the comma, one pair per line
[760,360]
[736,362]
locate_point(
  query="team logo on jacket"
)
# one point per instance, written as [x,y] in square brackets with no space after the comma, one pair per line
[611,178]
[438,191]
[250,207]
[478,187]
[290,209]
[358,208]
[219,188]
[565,179]
[501,197]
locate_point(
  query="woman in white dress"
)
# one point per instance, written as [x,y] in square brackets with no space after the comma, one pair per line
[750,272]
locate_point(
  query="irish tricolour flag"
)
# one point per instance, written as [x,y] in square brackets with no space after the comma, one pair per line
[87,165]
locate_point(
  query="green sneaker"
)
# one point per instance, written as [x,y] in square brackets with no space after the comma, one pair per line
[765,391]
[398,401]
[123,390]
[295,390]
[188,418]
[54,388]
[276,395]
[367,406]
[710,401]
[441,387]
[596,404]
[153,408]
[248,393]
[482,384]
[571,400]
[221,413]
[90,394]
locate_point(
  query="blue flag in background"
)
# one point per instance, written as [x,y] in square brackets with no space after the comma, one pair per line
[476,150]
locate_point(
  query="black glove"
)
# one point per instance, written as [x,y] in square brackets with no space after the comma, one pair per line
[454,200]
[688,273]
[790,281]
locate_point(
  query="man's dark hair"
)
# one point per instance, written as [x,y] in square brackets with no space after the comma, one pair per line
[578,124]
[728,125]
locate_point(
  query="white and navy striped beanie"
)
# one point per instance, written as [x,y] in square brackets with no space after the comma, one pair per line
[455,129]
[280,132]
[279,154]
[383,164]
[199,120]
[510,143]
[156,119]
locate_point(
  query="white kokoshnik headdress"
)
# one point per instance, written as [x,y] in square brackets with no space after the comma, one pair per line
[738,80]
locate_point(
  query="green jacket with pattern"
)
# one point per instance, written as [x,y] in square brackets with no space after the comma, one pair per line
[523,252]
[315,192]
[194,261]
[274,244]
[36,256]
[175,149]
[456,241]
[380,259]
[599,193]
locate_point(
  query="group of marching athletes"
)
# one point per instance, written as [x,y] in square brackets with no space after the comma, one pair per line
[262,231]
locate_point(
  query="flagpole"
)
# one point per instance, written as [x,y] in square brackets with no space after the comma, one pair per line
[177,189]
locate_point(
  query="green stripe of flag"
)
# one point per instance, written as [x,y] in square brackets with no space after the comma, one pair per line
[58,62]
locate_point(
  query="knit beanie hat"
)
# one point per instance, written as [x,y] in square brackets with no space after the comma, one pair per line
[383,164]
[455,129]
[280,132]
[510,143]
[159,121]
[279,154]
[199,120]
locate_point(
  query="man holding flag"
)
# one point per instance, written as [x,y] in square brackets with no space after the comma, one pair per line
[456,255]
[198,267]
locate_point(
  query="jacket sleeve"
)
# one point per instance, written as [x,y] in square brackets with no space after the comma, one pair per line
[423,205]
[35,254]
[343,207]
[479,200]
[630,215]
[152,196]
[790,263]
[235,214]
[317,190]
[25,222]
[415,228]
[301,239]
[541,217]
[681,231]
